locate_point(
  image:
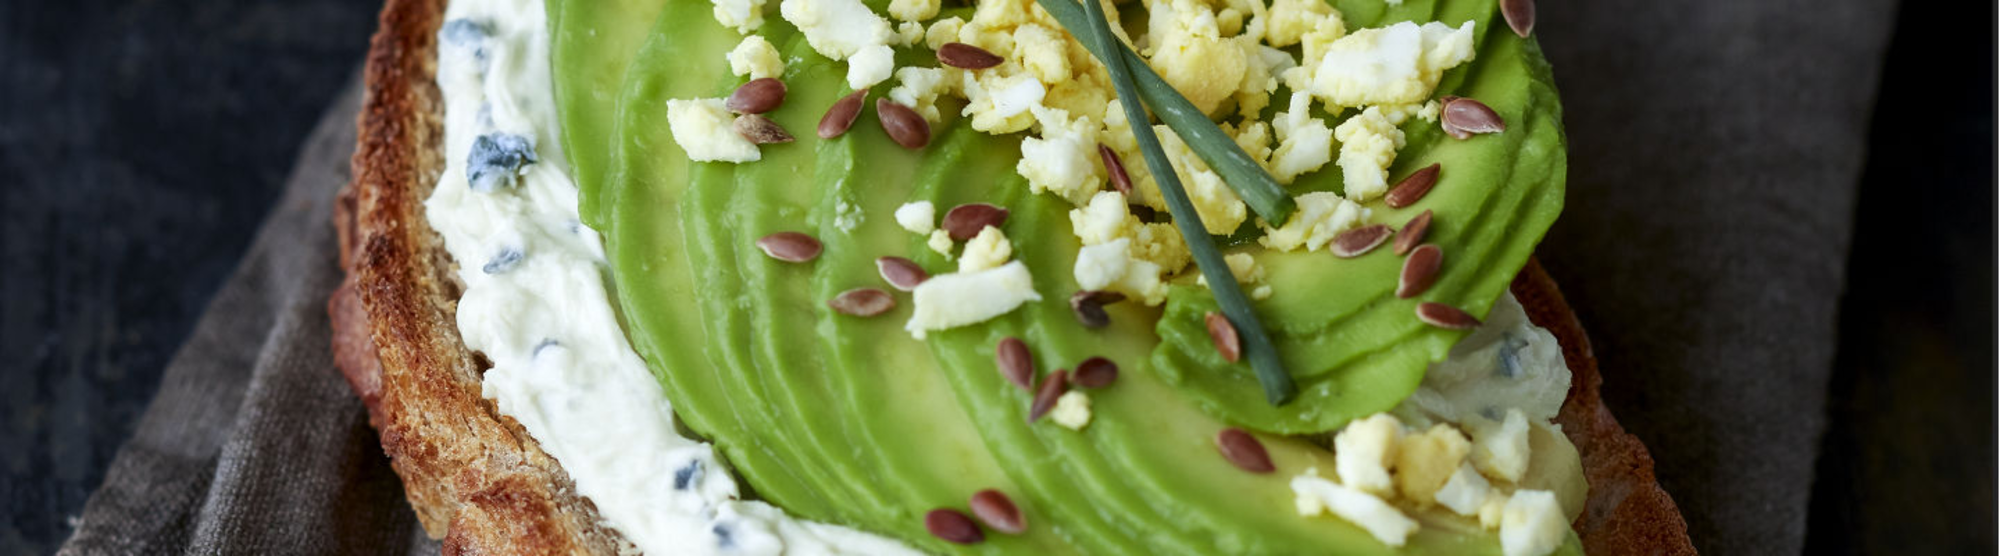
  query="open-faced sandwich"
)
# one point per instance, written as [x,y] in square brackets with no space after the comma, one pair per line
[1007,277]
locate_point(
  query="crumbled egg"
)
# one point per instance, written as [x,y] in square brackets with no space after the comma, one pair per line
[1368,143]
[1305,143]
[1465,491]
[913,10]
[1064,159]
[1362,453]
[1398,64]
[1072,410]
[1099,266]
[1221,211]
[1319,217]
[836,29]
[1191,54]
[943,31]
[940,241]
[755,57]
[920,89]
[1532,524]
[961,298]
[1290,20]
[742,15]
[703,128]
[909,33]
[1501,449]
[989,249]
[1371,513]
[1425,462]
[1242,266]
[919,217]
[870,65]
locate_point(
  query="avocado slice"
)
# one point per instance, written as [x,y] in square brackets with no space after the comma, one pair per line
[850,421]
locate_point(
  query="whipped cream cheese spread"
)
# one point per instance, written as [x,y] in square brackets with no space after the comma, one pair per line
[536,304]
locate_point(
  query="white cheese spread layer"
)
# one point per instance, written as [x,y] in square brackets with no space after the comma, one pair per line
[536,305]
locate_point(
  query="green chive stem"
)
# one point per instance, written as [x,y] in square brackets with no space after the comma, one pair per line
[1278,386]
[1252,183]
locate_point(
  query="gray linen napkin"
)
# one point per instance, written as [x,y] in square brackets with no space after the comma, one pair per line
[1715,151]
[254,444]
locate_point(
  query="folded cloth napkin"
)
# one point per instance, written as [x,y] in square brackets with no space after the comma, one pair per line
[1716,147]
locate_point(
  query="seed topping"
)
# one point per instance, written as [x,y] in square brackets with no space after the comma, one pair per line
[1095,372]
[1464,117]
[1420,271]
[1015,363]
[760,130]
[1445,316]
[952,526]
[1223,333]
[965,56]
[1089,307]
[904,125]
[791,247]
[1520,16]
[965,221]
[997,511]
[1413,233]
[901,273]
[1244,450]
[1052,388]
[841,116]
[1413,188]
[863,302]
[1359,241]
[756,97]
[1120,180]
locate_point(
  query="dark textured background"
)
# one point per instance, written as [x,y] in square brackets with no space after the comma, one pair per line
[141,142]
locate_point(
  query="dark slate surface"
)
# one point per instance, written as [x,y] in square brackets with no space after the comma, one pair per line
[141,142]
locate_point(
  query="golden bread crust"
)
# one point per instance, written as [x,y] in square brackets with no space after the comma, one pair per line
[480,482]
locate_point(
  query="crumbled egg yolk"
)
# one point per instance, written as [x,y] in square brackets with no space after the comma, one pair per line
[989,249]
[913,10]
[1072,410]
[743,15]
[755,57]
[1368,143]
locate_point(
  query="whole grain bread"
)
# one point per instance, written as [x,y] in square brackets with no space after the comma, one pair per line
[482,484]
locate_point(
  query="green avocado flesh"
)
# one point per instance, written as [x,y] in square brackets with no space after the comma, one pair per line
[851,421]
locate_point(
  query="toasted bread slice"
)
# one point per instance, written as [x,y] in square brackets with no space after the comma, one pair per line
[483,485]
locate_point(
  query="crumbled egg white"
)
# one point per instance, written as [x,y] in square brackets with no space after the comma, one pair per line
[1501,449]
[1243,266]
[1099,266]
[1072,410]
[1362,453]
[1532,524]
[755,57]
[989,249]
[919,217]
[920,89]
[1319,217]
[870,65]
[1155,248]
[703,128]
[1064,159]
[743,15]
[1382,520]
[1398,64]
[836,29]
[847,216]
[1305,143]
[1465,491]
[961,298]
